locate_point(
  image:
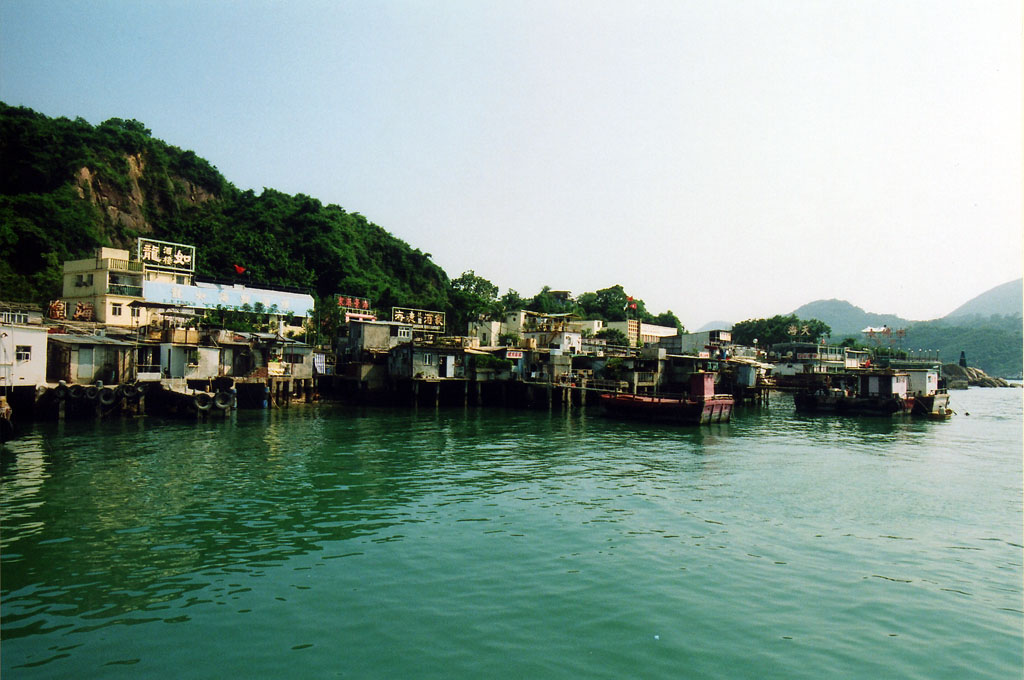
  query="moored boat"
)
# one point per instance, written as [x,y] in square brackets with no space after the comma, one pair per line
[931,399]
[839,402]
[864,393]
[700,407]
[934,406]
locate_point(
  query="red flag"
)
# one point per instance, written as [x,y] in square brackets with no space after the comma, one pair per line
[239,269]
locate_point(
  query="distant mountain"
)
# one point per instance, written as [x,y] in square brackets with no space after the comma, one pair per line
[992,343]
[987,329]
[714,326]
[1005,300]
[846,319]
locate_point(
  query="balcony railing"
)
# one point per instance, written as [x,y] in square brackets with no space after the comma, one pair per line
[124,289]
[122,265]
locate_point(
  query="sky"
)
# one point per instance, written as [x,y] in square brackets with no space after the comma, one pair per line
[724,160]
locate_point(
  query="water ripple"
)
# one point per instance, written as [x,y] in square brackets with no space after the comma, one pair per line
[475,543]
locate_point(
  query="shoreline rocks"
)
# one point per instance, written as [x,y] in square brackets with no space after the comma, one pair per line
[957,376]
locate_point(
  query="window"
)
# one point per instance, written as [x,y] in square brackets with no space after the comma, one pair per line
[23,353]
[135,312]
[115,309]
[13,317]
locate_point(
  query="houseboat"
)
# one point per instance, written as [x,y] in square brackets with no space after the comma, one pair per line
[931,400]
[875,392]
[699,407]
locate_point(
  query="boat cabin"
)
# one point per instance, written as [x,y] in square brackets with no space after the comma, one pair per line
[884,384]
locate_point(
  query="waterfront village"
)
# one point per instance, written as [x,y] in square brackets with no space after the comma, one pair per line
[125,337]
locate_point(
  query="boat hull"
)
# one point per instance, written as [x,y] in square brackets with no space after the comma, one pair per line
[934,406]
[816,402]
[700,411]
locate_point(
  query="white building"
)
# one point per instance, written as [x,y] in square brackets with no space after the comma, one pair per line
[117,289]
[488,333]
[559,341]
[640,333]
[23,341]
[526,324]
[100,289]
[702,344]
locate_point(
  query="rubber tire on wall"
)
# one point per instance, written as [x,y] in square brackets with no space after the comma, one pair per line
[202,401]
[222,400]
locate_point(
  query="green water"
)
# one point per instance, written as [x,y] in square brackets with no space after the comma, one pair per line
[327,541]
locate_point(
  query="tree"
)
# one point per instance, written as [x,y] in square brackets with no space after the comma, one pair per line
[779,329]
[472,298]
[668,319]
[608,304]
[475,285]
[614,336]
[511,301]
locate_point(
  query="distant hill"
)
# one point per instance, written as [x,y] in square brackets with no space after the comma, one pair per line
[845,319]
[992,343]
[988,329]
[1006,300]
[714,326]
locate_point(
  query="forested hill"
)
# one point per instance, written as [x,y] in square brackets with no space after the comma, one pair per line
[67,187]
[991,342]
[846,319]
[1007,299]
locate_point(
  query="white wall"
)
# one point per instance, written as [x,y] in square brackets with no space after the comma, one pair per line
[17,373]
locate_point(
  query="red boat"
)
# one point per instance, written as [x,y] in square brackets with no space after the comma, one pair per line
[701,406]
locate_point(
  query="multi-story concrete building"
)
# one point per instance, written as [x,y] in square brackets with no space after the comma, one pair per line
[158,286]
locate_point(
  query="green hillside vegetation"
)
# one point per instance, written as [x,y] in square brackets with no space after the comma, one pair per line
[1006,299]
[993,344]
[779,329]
[68,187]
[846,319]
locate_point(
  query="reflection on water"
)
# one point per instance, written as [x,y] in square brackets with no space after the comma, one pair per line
[363,529]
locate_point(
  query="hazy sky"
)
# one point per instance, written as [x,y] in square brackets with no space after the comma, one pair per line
[725,160]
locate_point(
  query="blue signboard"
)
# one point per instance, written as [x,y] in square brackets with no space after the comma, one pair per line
[234,297]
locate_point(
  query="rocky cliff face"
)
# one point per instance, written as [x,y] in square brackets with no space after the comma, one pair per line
[975,377]
[125,206]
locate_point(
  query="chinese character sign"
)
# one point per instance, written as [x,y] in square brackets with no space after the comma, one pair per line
[58,309]
[420,319]
[83,312]
[175,256]
[349,302]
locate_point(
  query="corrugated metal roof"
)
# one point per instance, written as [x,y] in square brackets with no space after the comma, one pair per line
[88,340]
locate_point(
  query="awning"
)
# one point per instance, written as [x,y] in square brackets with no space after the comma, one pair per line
[153,305]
